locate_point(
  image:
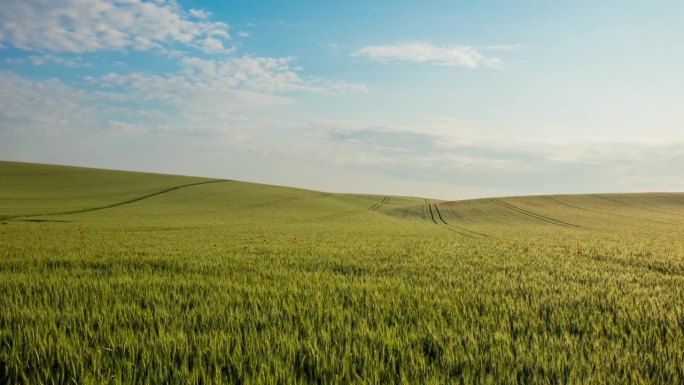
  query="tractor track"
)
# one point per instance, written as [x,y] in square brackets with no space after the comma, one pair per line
[607,213]
[632,206]
[612,200]
[374,207]
[432,215]
[439,215]
[554,200]
[379,204]
[532,214]
[109,206]
[435,215]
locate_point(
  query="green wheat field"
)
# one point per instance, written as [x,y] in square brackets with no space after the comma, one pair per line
[112,277]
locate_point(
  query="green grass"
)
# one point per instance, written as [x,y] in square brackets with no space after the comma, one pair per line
[119,277]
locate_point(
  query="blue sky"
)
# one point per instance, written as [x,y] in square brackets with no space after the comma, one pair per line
[445,99]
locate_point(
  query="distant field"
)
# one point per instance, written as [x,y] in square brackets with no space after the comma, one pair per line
[121,277]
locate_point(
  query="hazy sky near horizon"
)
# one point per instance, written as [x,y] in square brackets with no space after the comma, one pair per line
[446,99]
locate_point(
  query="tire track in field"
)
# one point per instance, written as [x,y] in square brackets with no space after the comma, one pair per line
[606,213]
[432,215]
[379,204]
[612,200]
[568,204]
[375,206]
[532,214]
[439,214]
[109,206]
[631,206]
[436,214]
[441,218]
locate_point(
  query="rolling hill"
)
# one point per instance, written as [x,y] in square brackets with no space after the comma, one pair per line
[35,193]
[113,276]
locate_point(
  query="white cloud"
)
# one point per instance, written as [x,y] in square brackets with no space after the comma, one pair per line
[420,52]
[260,74]
[213,45]
[200,13]
[189,94]
[263,74]
[39,60]
[95,25]
[132,104]
[48,107]
[207,96]
[202,97]
[203,110]
[243,34]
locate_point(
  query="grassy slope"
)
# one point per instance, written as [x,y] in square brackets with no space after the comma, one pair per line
[29,189]
[156,278]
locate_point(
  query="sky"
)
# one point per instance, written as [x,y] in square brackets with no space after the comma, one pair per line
[443,99]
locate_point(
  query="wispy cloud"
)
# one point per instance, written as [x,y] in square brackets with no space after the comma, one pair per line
[528,165]
[202,97]
[44,107]
[39,60]
[261,74]
[96,25]
[215,113]
[422,52]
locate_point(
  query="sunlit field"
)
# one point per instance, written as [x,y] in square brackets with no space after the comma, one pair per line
[121,277]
